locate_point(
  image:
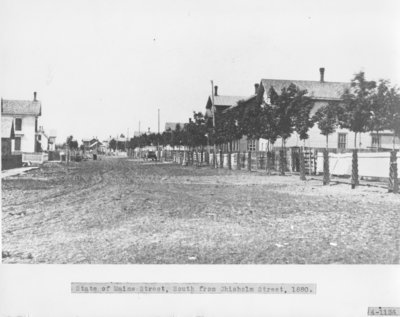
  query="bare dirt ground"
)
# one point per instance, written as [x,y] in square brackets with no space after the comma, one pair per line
[120,211]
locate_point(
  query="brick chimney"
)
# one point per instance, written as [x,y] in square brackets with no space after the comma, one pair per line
[256,88]
[34,96]
[321,73]
[215,90]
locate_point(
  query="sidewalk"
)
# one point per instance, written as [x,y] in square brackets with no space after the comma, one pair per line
[16,171]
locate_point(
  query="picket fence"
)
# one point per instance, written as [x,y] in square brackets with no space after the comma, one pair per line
[370,164]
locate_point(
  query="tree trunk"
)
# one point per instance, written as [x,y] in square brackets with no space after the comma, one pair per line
[249,161]
[355,140]
[378,143]
[229,156]
[282,159]
[268,163]
[302,163]
[393,175]
[354,170]
[326,177]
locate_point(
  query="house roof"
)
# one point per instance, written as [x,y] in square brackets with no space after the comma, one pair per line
[316,89]
[7,128]
[227,101]
[172,125]
[95,143]
[21,107]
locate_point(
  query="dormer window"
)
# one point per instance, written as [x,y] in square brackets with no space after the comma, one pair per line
[18,124]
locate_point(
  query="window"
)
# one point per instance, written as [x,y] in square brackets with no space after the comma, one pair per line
[251,145]
[342,142]
[17,146]
[18,124]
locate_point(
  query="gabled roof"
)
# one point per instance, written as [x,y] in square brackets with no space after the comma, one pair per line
[95,143]
[244,101]
[227,101]
[7,128]
[316,89]
[21,107]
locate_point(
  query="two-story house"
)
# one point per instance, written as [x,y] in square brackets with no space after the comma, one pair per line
[24,116]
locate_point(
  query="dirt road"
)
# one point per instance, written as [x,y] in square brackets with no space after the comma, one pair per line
[119,211]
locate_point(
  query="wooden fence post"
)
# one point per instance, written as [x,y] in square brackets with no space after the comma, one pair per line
[238,163]
[229,161]
[221,159]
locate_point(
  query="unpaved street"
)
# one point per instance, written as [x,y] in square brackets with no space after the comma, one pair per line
[118,211]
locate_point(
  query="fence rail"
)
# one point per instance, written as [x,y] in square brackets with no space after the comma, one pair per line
[371,164]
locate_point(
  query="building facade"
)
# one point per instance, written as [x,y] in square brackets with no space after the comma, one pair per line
[23,114]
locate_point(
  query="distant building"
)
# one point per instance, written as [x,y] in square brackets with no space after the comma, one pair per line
[322,93]
[46,140]
[172,126]
[221,102]
[91,144]
[224,103]
[23,116]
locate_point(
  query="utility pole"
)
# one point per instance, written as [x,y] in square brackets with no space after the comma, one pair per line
[158,137]
[140,149]
[126,141]
[213,115]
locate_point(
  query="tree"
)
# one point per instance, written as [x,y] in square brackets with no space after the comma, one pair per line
[269,129]
[355,110]
[228,127]
[112,144]
[355,113]
[286,107]
[326,118]
[390,101]
[303,122]
[71,143]
[378,112]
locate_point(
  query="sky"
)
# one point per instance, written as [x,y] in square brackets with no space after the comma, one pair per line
[100,67]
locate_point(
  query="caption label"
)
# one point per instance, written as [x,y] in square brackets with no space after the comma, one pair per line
[383,311]
[194,288]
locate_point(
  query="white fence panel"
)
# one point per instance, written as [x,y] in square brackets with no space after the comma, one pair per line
[35,157]
[369,164]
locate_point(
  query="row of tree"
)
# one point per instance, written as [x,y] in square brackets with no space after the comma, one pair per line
[365,106]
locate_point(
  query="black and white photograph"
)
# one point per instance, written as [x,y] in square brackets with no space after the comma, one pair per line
[187,136]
